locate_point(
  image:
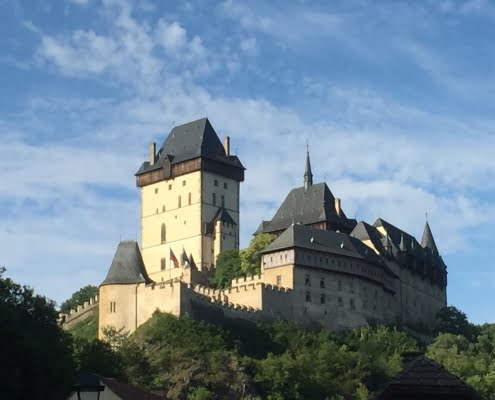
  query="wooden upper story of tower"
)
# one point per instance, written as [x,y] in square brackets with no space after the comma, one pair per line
[194,146]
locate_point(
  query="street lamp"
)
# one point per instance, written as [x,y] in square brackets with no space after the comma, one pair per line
[88,387]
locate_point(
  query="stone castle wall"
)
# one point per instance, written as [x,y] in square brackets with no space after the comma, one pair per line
[83,311]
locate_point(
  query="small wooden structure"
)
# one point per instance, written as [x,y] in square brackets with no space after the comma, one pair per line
[423,378]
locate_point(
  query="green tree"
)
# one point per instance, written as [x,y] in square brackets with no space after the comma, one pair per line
[251,256]
[79,297]
[35,350]
[228,267]
[452,320]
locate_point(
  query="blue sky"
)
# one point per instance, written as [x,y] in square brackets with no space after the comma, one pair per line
[396,99]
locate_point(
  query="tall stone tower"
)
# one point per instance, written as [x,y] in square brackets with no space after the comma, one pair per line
[189,201]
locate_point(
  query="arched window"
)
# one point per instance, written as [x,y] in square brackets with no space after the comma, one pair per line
[164,233]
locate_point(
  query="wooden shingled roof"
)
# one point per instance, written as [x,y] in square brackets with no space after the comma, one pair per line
[423,378]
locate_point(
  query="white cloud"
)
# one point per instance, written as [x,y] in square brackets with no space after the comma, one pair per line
[384,159]
[79,2]
[249,45]
[171,36]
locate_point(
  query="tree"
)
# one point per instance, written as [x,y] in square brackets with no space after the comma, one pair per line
[78,298]
[251,257]
[233,264]
[452,320]
[228,267]
[35,350]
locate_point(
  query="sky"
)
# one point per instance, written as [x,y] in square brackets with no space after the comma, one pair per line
[395,99]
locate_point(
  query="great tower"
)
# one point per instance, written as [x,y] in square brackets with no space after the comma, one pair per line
[189,201]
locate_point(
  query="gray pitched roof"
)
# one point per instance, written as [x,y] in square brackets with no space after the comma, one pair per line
[127,265]
[306,206]
[397,236]
[327,241]
[188,141]
[423,378]
[427,240]
[365,231]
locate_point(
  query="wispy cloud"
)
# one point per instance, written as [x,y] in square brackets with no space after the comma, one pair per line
[69,159]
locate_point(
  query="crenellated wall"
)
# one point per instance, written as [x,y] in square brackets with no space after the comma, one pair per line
[83,311]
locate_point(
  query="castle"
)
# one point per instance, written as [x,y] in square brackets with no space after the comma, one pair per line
[323,269]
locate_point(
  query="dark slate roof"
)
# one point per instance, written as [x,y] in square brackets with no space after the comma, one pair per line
[326,241]
[128,392]
[306,206]
[423,378]
[224,216]
[427,240]
[365,231]
[127,265]
[397,235]
[192,140]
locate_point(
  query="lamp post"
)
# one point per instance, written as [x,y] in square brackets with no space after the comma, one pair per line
[88,387]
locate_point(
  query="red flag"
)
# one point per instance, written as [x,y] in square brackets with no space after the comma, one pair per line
[174,259]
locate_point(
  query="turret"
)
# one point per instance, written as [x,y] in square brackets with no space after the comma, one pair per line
[308,175]
[428,241]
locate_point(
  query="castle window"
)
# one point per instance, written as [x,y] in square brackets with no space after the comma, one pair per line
[162,263]
[170,187]
[113,306]
[308,297]
[307,280]
[215,182]
[351,304]
[189,197]
[157,210]
[223,201]
[183,183]
[163,208]
[179,201]
[322,299]
[225,186]
[322,283]
[279,280]
[214,198]
[327,260]
[340,302]
[163,234]
[156,190]
[339,286]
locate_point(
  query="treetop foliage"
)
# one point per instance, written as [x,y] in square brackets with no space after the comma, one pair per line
[233,264]
[78,298]
[34,349]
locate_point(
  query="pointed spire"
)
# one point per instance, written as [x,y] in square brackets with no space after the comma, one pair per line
[402,245]
[427,240]
[308,175]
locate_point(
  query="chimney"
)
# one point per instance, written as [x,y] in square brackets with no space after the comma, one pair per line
[152,153]
[226,145]
[337,206]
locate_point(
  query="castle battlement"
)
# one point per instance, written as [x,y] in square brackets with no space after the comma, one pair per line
[81,312]
[336,272]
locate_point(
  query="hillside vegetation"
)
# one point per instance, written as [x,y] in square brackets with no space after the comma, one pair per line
[188,359]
